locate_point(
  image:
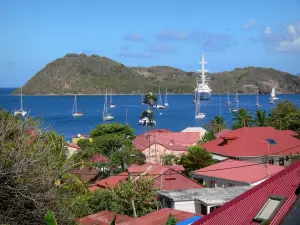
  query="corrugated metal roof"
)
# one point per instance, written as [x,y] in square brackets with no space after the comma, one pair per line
[244,208]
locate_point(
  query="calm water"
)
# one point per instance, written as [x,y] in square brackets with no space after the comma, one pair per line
[56,110]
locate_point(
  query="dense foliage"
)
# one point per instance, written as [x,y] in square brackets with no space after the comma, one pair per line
[35,173]
[170,159]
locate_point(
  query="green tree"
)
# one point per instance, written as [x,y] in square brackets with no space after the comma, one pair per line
[171,220]
[292,122]
[170,159]
[109,143]
[148,114]
[208,136]
[278,114]
[149,99]
[261,118]
[196,158]
[114,128]
[50,218]
[242,119]
[35,173]
[119,198]
[83,143]
[217,124]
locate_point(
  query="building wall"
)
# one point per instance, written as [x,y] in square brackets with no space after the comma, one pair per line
[212,182]
[187,206]
[156,153]
[201,208]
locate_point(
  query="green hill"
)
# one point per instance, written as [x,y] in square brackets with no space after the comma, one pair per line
[82,74]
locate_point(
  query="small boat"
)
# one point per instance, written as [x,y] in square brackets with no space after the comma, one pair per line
[198,114]
[236,98]
[273,96]
[106,116]
[236,109]
[160,105]
[21,111]
[145,121]
[166,98]
[257,105]
[228,100]
[75,112]
[112,105]
[233,110]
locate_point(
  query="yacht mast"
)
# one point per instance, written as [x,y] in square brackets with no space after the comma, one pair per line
[203,70]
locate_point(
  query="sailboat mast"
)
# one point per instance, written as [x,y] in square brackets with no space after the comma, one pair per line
[257,98]
[203,62]
[110,101]
[228,96]
[166,96]
[21,101]
[160,101]
[106,102]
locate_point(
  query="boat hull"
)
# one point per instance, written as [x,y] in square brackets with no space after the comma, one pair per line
[20,113]
[108,118]
[204,95]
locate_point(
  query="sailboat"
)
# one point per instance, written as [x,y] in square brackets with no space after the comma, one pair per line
[228,101]
[106,116]
[257,105]
[166,98]
[112,105]
[237,104]
[273,96]
[21,112]
[75,112]
[198,114]
[160,105]
[236,98]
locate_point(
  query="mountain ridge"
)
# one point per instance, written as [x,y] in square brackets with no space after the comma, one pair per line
[83,74]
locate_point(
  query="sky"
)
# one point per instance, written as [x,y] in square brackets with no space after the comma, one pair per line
[230,33]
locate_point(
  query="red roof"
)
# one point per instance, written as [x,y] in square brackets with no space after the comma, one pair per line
[241,171]
[252,141]
[177,141]
[87,174]
[225,131]
[245,207]
[73,145]
[166,177]
[160,217]
[103,218]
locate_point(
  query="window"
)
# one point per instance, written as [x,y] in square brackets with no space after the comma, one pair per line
[271,141]
[269,209]
[281,161]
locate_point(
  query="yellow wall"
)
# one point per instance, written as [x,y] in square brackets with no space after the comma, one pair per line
[74,140]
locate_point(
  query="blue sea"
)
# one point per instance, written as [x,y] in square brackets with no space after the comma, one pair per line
[56,111]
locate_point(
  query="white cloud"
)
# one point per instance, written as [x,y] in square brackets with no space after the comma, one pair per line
[291,41]
[268,31]
[250,24]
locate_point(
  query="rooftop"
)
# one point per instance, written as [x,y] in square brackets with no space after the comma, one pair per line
[279,190]
[207,195]
[254,141]
[240,171]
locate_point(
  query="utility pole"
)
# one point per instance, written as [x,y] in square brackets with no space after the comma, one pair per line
[133,207]
[155,148]
[148,136]
[126,116]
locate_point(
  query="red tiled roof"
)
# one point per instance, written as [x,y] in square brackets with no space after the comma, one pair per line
[160,217]
[166,177]
[93,187]
[252,141]
[241,171]
[245,207]
[73,145]
[225,131]
[99,158]
[169,140]
[87,174]
[103,218]
[142,168]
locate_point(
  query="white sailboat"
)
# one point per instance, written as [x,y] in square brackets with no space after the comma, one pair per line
[160,105]
[273,96]
[166,98]
[75,112]
[236,98]
[198,114]
[21,111]
[111,104]
[257,105]
[228,99]
[106,116]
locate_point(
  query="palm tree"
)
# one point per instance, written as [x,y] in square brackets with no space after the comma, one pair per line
[261,118]
[242,119]
[218,124]
[148,114]
[196,158]
[150,99]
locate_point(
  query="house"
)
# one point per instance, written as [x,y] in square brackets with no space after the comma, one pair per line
[72,148]
[200,201]
[87,174]
[167,177]
[201,130]
[158,217]
[157,143]
[255,143]
[76,138]
[241,173]
[103,218]
[274,201]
